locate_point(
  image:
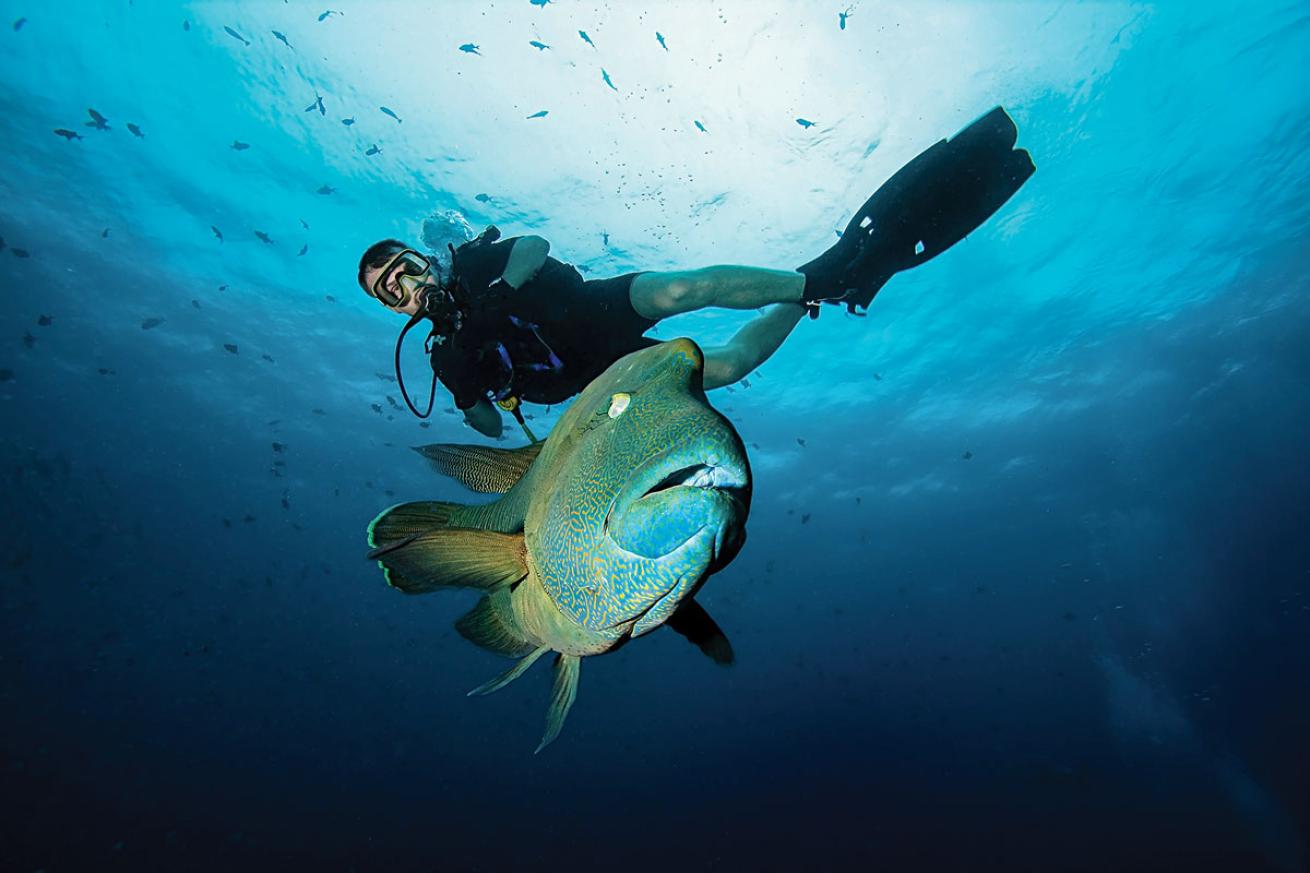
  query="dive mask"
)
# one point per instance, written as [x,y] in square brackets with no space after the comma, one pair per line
[401,279]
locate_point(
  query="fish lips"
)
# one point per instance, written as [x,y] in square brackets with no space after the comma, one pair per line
[666,504]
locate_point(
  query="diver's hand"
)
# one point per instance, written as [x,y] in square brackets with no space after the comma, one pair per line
[484,418]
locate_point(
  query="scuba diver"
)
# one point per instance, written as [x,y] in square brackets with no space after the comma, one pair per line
[510,324]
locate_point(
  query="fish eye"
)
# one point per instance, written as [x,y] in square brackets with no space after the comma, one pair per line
[618,404]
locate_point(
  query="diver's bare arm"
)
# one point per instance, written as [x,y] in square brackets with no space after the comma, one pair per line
[751,346]
[484,418]
[525,260]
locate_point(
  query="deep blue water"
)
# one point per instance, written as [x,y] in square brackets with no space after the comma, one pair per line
[1084,646]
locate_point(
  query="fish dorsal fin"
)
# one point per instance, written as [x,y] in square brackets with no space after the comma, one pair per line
[562,694]
[693,622]
[491,625]
[483,469]
[419,553]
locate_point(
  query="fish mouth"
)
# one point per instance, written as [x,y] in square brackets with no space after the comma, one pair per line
[711,474]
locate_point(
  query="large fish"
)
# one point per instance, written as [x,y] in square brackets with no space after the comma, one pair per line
[605,531]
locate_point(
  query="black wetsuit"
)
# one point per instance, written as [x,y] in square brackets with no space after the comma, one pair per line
[543,342]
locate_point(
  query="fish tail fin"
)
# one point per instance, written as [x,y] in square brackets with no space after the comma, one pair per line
[420,551]
[562,695]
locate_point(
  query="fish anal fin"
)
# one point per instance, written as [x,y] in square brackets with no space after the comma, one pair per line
[453,558]
[483,469]
[562,695]
[693,622]
[511,674]
[491,625]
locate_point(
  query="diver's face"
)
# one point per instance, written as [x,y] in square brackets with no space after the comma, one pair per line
[400,283]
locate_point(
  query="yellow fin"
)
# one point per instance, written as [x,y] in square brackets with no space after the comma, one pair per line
[483,469]
[453,558]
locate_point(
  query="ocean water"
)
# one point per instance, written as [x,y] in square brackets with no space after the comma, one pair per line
[1027,578]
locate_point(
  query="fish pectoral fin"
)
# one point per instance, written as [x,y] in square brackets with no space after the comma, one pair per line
[693,622]
[483,469]
[511,674]
[491,625]
[453,558]
[562,695]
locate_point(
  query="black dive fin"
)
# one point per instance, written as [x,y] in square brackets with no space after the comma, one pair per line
[420,555]
[562,695]
[491,625]
[693,622]
[483,469]
[511,674]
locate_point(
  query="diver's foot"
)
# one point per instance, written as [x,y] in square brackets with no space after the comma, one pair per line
[926,207]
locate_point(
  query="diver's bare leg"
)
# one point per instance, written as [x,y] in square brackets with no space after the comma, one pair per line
[750,346]
[660,295]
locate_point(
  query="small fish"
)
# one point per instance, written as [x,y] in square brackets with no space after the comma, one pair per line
[606,76]
[231,348]
[374,150]
[586,39]
[267,357]
[386,377]
[392,401]
[700,127]
[967,455]
[745,383]
[318,411]
[19,253]
[6,375]
[69,135]
[286,500]
[45,320]
[303,250]
[659,37]
[248,518]
[18,25]
[104,234]
[538,45]
[283,37]
[805,518]
[329,298]
[482,198]
[218,233]
[376,408]
[28,340]
[604,238]
[186,25]
[278,448]
[239,146]
[304,224]
[317,104]
[469,48]
[841,18]
[232,33]
[195,304]
[222,287]
[541,3]
[98,121]
[348,121]
[877,377]
[800,442]
[805,122]
[136,131]
[542,114]
[151,323]
[730,389]
[385,111]
[584,268]
[264,237]
[326,189]
[328,13]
